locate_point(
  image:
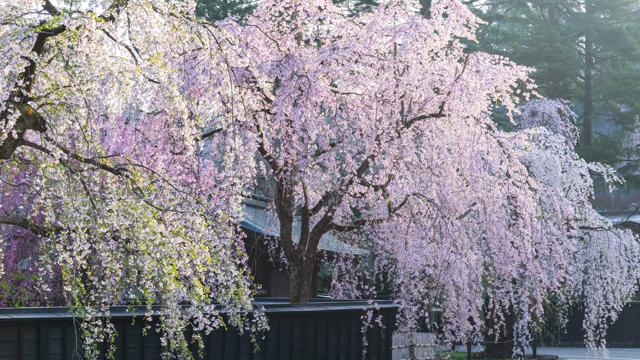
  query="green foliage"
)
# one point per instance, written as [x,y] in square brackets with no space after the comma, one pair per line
[589,55]
[325,273]
[518,31]
[604,149]
[216,10]
[356,6]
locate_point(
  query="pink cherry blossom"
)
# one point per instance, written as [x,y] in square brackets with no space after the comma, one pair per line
[129,132]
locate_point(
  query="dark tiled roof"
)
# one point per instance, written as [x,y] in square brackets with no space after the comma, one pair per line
[259,219]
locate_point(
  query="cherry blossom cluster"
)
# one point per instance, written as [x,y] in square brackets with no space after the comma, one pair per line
[105,172]
[130,132]
[603,269]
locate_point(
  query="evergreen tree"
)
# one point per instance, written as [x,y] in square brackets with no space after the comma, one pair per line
[216,10]
[585,52]
[356,6]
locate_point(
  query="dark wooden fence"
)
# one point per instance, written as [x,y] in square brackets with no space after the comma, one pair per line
[624,332]
[317,330]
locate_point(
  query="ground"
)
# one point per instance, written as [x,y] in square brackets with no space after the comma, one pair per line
[579,353]
[565,353]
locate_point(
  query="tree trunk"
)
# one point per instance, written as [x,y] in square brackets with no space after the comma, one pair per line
[588,69]
[503,348]
[301,278]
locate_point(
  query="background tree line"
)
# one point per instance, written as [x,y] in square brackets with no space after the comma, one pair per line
[586,52]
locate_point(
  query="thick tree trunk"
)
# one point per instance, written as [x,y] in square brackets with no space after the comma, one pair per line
[301,278]
[301,256]
[503,348]
[588,74]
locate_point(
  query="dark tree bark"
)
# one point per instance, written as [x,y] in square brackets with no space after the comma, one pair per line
[588,79]
[301,278]
[503,347]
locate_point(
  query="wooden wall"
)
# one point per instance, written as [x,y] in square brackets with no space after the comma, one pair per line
[318,330]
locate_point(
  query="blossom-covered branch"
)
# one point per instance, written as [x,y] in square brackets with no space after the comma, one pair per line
[103,128]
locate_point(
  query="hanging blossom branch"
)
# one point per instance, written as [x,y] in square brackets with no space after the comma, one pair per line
[118,179]
[19,98]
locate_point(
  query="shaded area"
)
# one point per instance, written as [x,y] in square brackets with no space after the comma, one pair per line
[316,330]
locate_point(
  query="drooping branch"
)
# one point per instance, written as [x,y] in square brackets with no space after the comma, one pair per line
[390,208]
[22,95]
[90,161]
[133,54]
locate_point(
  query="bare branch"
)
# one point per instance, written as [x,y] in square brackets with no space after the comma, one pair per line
[28,225]
[208,134]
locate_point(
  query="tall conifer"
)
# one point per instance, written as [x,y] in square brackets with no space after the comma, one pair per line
[585,52]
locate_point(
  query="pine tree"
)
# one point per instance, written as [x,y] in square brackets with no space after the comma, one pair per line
[356,6]
[216,10]
[585,52]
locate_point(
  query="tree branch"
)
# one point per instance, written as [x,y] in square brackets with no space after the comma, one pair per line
[439,114]
[208,134]
[27,225]
[264,153]
[464,215]
[90,161]
[354,225]
[321,203]
[48,7]
[21,96]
